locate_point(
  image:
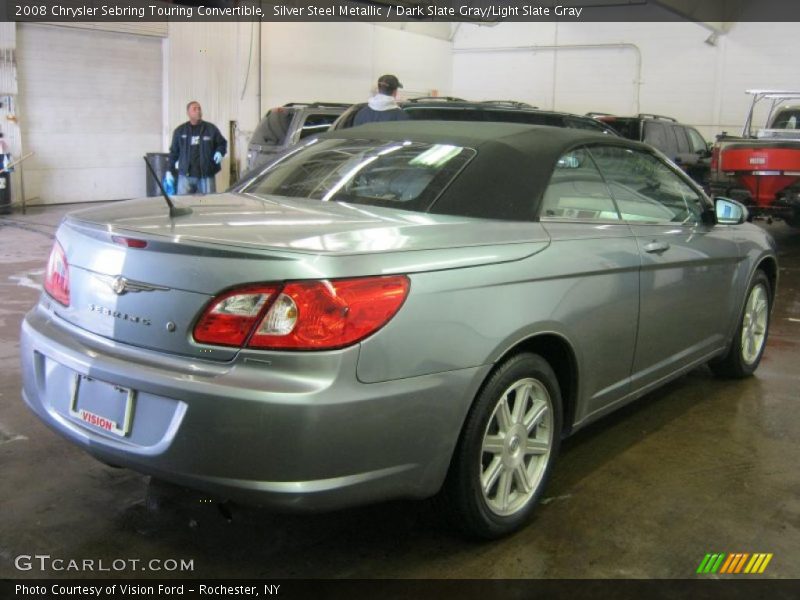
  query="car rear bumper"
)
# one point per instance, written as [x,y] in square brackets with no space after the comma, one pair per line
[290,430]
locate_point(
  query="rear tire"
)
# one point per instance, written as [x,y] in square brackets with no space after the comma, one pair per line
[506,451]
[750,339]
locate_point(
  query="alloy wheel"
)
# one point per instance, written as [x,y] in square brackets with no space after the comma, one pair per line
[516,447]
[754,324]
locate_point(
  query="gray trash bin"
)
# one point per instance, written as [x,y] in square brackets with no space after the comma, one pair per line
[160,163]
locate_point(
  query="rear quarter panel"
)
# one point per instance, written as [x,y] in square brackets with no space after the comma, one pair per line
[584,290]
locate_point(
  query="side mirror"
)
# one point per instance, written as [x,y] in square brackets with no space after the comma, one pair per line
[730,212]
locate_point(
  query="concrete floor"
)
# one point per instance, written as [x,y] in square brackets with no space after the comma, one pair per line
[700,466]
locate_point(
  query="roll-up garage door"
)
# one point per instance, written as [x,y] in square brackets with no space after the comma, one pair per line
[89,107]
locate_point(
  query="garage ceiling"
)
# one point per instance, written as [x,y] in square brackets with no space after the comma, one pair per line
[727,10]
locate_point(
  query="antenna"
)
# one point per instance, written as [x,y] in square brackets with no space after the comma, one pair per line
[174,211]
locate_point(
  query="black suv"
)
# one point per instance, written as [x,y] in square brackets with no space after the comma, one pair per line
[288,124]
[455,109]
[682,143]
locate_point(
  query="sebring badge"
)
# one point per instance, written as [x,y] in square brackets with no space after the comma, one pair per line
[96,308]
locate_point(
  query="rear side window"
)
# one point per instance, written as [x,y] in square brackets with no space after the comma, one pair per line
[319,123]
[577,191]
[626,127]
[273,128]
[589,124]
[683,141]
[443,113]
[696,140]
[405,175]
[658,136]
[525,118]
[450,113]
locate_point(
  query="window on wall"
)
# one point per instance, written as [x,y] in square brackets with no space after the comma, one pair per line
[645,188]
[577,191]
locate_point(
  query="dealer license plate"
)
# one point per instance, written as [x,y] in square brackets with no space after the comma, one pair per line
[106,406]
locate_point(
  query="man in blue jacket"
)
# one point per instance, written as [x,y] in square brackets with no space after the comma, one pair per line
[196,151]
[383,105]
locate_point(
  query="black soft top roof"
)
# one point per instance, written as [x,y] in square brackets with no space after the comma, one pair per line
[510,171]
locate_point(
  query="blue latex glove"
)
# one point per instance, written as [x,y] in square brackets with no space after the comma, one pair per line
[168,184]
[217,157]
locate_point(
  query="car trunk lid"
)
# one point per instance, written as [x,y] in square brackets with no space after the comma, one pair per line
[152,296]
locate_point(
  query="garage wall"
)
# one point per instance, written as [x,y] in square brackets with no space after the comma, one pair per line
[570,77]
[217,64]
[89,107]
[680,74]
[204,63]
[753,56]
[621,68]
[92,102]
[342,62]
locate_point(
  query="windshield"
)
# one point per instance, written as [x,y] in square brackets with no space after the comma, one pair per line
[403,174]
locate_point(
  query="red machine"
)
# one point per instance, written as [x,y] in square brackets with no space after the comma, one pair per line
[762,166]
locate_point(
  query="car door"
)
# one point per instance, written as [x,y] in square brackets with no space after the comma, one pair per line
[688,266]
[595,266]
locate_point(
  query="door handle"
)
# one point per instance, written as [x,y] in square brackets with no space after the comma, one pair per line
[656,247]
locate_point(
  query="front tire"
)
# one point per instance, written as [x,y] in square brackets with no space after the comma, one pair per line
[507,448]
[750,339]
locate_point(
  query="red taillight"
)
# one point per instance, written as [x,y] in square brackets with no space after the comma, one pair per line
[316,315]
[230,318]
[306,315]
[56,279]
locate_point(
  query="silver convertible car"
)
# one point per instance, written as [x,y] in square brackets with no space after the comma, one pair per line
[396,310]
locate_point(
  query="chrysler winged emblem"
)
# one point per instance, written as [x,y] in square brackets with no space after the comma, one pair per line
[122,285]
[118,285]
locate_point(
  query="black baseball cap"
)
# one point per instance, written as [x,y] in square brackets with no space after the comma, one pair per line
[389,83]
